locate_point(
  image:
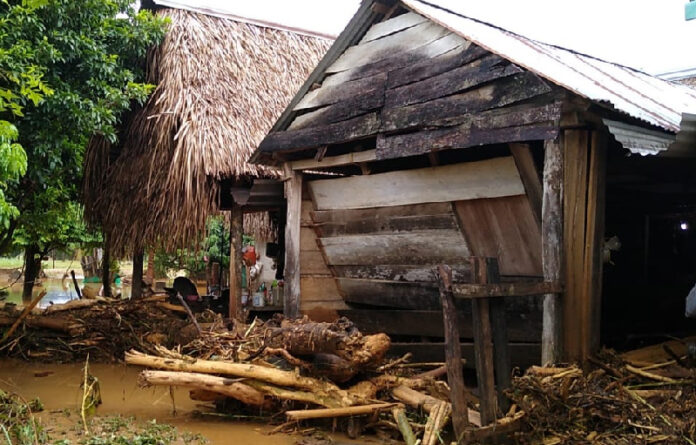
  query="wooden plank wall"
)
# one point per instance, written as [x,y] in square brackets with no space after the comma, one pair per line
[417,87]
[320,296]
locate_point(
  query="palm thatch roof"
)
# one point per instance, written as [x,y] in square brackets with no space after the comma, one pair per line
[221,84]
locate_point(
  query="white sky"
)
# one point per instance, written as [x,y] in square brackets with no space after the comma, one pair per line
[651,35]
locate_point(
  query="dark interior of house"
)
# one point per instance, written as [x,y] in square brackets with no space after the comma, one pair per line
[650,248]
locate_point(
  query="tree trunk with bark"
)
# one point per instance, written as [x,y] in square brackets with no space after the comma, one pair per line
[137,278]
[106,272]
[32,268]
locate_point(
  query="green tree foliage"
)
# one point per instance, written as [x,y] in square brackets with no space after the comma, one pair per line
[81,68]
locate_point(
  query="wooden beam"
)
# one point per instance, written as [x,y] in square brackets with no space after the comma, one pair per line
[530,177]
[137,279]
[453,353]
[236,234]
[335,161]
[552,250]
[521,289]
[483,345]
[594,237]
[293,195]
[575,169]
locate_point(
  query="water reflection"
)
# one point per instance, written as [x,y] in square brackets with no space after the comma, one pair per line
[57,291]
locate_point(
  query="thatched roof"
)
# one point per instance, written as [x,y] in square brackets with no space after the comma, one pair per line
[221,84]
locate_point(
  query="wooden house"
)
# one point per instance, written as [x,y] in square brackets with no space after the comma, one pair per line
[426,137]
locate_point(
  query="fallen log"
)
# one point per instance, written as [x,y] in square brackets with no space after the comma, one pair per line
[256,372]
[70,305]
[321,399]
[417,399]
[502,426]
[53,323]
[25,313]
[337,412]
[221,385]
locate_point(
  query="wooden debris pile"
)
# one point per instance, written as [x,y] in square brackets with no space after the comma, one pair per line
[619,401]
[104,329]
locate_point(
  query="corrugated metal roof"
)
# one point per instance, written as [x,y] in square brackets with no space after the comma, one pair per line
[637,94]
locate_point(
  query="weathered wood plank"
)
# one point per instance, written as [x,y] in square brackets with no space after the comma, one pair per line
[424,247]
[530,177]
[391,26]
[348,108]
[505,92]
[335,161]
[319,289]
[331,94]
[484,70]
[448,45]
[376,50]
[293,195]
[350,215]
[503,228]
[552,253]
[521,289]
[420,273]
[522,355]
[517,123]
[312,263]
[390,293]
[336,133]
[453,353]
[523,326]
[446,61]
[483,179]
[388,225]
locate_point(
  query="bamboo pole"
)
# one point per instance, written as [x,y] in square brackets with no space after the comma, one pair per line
[337,412]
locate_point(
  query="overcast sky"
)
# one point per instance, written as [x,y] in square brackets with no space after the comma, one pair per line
[651,35]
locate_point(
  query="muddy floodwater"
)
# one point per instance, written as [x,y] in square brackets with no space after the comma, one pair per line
[58,387]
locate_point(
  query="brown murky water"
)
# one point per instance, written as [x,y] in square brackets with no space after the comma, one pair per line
[121,396]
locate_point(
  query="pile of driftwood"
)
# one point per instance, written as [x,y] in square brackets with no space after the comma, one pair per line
[618,400]
[104,329]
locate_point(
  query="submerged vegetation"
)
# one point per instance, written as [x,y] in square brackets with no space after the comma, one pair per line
[20,425]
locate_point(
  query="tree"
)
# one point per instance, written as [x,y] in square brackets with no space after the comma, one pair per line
[90,54]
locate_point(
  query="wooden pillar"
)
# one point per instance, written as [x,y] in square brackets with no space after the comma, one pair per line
[106,275]
[552,251]
[584,184]
[137,279]
[293,196]
[483,344]
[453,354]
[236,234]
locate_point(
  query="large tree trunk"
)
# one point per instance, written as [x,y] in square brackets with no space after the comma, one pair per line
[137,278]
[106,275]
[32,267]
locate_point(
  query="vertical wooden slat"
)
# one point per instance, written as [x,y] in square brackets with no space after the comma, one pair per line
[453,353]
[576,143]
[501,348]
[293,196]
[483,344]
[594,237]
[236,234]
[530,177]
[137,279]
[552,245]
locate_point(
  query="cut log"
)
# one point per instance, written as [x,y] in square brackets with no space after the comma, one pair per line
[54,323]
[221,385]
[337,412]
[298,396]
[73,304]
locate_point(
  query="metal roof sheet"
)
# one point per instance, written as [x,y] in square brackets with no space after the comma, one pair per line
[658,102]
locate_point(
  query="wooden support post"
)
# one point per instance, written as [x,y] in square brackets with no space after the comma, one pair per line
[150,274]
[501,349]
[530,177]
[293,196]
[453,353]
[552,251]
[594,239]
[106,273]
[483,344]
[137,278]
[236,233]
